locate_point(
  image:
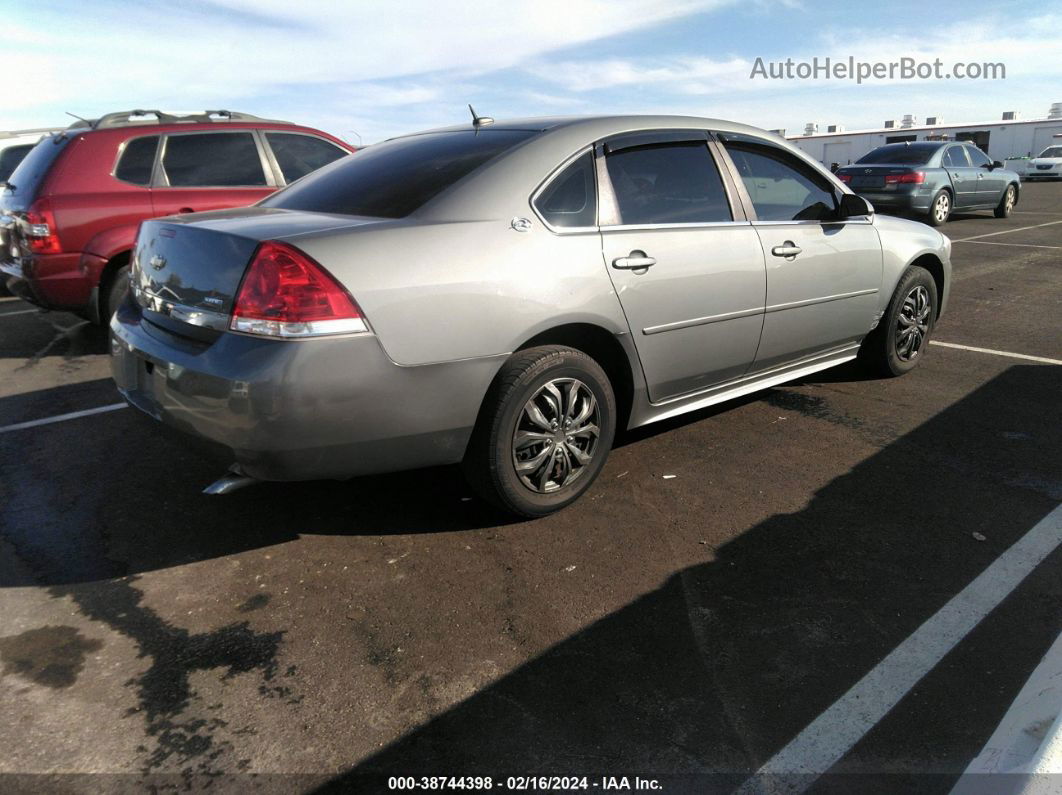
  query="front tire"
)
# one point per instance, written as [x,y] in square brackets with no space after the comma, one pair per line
[1006,202]
[939,209]
[899,342]
[544,432]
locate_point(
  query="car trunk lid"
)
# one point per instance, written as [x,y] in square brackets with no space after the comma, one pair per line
[868,177]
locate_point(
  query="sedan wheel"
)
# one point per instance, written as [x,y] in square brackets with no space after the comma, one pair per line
[1006,204]
[899,342]
[940,209]
[544,431]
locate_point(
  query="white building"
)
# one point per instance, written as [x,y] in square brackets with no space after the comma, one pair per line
[1007,138]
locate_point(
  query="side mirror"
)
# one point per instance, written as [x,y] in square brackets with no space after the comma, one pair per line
[853,206]
[996,164]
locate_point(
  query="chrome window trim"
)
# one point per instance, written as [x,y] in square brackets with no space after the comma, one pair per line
[692,225]
[154,163]
[564,230]
[855,219]
[162,178]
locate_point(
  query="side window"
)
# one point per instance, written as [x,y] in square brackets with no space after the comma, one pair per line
[298,155]
[977,157]
[213,160]
[673,183]
[10,158]
[781,186]
[137,160]
[570,199]
[955,157]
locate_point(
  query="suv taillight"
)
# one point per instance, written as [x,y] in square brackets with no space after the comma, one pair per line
[42,237]
[284,293]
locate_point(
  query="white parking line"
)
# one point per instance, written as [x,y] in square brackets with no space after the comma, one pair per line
[1005,231]
[1024,743]
[1008,354]
[20,312]
[994,243]
[73,415]
[836,731]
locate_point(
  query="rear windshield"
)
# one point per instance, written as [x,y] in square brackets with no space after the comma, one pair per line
[28,175]
[392,179]
[10,158]
[915,155]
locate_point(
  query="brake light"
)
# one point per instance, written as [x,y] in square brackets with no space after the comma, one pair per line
[284,293]
[917,177]
[845,178]
[42,237]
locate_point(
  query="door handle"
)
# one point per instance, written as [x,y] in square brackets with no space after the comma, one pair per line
[788,249]
[186,210]
[635,261]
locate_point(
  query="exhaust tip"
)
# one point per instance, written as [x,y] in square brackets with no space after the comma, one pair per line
[233,480]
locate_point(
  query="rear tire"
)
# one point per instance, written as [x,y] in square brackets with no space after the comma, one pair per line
[117,288]
[939,209]
[544,432]
[1006,202]
[899,342]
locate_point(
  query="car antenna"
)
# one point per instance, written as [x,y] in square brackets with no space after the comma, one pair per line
[477,120]
[68,113]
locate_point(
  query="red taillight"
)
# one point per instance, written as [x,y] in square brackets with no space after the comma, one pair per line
[917,177]
[41,234]
[845,178]
[284,293]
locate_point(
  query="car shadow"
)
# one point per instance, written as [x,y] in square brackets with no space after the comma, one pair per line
[703,679]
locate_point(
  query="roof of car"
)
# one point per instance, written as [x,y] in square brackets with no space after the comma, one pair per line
[605,124]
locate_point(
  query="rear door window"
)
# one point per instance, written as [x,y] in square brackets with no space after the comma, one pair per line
[570,199]
[667,183]
[298,155]
[137,160]
[977,157]
[955,157]
[228,159]
[780,185]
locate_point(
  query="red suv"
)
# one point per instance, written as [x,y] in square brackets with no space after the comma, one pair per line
[70,211]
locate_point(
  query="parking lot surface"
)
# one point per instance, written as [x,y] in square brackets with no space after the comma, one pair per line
[691,627]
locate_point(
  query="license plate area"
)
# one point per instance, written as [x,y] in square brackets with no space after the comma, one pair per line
[868,182]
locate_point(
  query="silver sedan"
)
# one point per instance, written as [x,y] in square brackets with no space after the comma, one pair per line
[509,295]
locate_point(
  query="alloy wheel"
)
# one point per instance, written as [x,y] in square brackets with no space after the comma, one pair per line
[912,324]
[941,208]
[556,435]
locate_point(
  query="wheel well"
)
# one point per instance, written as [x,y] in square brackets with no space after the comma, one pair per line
[936,269]
[603,347]
[113,264]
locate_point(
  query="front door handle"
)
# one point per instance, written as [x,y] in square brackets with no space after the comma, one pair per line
[788,249]
[186,210]
[635,261]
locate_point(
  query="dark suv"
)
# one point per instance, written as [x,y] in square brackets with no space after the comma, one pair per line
[70,211]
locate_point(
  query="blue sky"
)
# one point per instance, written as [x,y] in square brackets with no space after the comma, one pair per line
[372,69]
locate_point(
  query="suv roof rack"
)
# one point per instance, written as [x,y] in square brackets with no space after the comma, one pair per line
[131,117]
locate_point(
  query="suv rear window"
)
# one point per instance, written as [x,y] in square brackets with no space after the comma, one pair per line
[392,179]
[228,159]
[298,155]
[28,175]
[11,157]
[137,160]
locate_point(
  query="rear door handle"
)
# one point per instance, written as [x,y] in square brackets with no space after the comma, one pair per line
[635,261]
[186,210]
[788,249]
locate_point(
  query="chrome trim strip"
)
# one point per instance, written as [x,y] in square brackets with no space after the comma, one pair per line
[697,225]
[823,300]
[855,219]
[700,321]
[194,316]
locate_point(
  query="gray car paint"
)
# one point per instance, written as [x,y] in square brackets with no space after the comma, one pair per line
[451,290]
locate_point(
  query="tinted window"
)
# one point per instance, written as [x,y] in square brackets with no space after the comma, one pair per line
[392,179]
[10,158]
[781,187]
[1052,151]
[955,157]
[570,200]
[915,154]
[667,184]
[977,157]
[298,155]
[137,160]
[30,173]
[213,159]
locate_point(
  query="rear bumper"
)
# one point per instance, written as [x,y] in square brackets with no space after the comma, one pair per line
[300,410]
[914,200]
[57,281]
